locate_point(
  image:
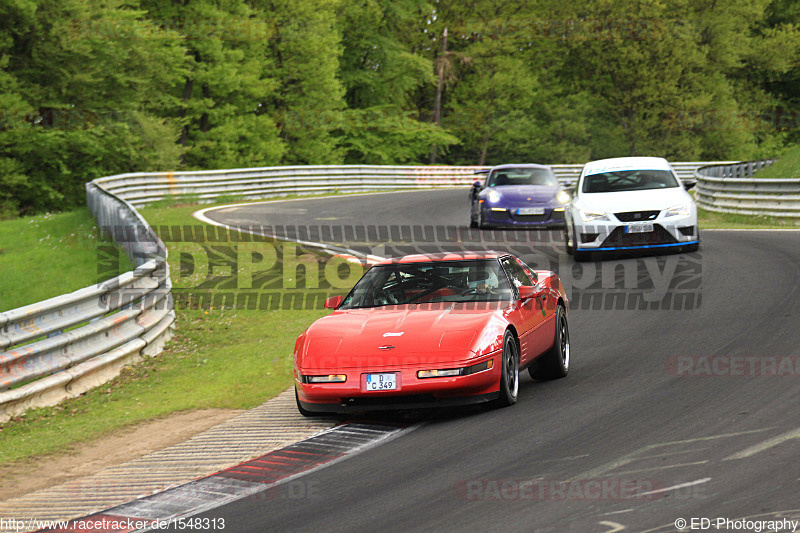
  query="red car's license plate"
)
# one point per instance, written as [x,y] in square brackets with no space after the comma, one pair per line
[378,382]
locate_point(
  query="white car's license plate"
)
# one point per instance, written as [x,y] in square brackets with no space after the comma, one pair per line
[639,228]
[385,381]
[530,211]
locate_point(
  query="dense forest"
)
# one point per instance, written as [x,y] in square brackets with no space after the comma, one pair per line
[96,87]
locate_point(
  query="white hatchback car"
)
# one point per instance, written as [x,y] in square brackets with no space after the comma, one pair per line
[630,203]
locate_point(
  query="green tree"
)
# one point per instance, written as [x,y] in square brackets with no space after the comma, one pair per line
[225,84]
[382,68]
[302,56]
[670,75]
[79,81]
[502,98]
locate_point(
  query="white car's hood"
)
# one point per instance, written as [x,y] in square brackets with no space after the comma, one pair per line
[620,202]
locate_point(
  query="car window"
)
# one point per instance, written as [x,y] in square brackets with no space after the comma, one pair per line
[425,282]
[516,273]
[521,176]
[628,180]
[529,271]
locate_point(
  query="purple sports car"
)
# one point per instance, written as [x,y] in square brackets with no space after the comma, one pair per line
[518,195]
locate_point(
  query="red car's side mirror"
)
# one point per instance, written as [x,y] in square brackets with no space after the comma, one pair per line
[333,302]
[527,292]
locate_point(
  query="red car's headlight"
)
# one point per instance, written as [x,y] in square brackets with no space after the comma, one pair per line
[330,378]
[450,372]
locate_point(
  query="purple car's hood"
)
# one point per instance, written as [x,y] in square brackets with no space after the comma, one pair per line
[538,194]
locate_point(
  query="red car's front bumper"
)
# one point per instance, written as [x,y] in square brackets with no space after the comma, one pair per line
[411,392]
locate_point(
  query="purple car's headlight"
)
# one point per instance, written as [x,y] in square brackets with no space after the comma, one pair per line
[493,197]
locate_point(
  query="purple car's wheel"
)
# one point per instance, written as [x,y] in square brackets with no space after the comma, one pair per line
[481,223]
[509,377]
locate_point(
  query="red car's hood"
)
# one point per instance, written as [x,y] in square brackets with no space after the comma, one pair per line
[399,335]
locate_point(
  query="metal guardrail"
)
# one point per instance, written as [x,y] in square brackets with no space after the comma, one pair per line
[62,346]
[66,345]
[253,183]
[731,188]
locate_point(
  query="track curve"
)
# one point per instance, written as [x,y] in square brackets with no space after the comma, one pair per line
[644,406]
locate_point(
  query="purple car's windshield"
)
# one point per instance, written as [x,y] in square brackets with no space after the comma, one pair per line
[435,281]
[521,176]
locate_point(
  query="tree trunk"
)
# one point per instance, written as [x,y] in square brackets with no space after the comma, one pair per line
[187,93]
[437,102]
[484,150]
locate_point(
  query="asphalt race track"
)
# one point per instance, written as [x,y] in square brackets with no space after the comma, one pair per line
[682,399]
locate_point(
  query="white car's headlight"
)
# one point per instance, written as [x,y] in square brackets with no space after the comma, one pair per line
[679,210]
[493,196]
[563,197]
[589,216]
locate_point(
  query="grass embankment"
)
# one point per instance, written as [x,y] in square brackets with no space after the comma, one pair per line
[48,255]
[713,220]
[786,167]
[220,357]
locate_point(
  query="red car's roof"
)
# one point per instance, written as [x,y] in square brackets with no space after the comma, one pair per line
[442,256]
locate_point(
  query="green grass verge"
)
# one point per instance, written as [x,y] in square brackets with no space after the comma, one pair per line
[48,255]
[786,167]
[713,220]
[219,358]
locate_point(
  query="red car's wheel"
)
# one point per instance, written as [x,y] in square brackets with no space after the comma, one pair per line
[509,377]
[300,407]
[555,363]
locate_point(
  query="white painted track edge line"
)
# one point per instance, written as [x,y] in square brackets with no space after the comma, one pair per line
[267,486]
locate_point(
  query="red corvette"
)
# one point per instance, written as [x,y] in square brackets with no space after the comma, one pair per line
[434,330]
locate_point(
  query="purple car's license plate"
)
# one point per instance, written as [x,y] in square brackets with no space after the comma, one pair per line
[530,211]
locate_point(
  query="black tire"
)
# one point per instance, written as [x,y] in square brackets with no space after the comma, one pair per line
[509,376]
[570,249]
[555,363]
[691,248]
[481,223]
[472,222]
[581,256]
[300,407]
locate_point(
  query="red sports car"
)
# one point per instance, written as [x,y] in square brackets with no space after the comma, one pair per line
[434,330]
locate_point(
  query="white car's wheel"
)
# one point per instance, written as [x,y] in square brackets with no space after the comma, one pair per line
[567,245]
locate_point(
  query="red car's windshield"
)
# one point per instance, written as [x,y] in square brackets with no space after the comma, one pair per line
[436,281]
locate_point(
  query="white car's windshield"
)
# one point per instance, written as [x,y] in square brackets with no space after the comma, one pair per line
[628,180]
[438,281]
